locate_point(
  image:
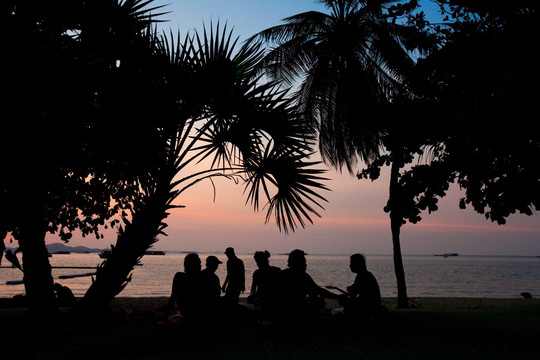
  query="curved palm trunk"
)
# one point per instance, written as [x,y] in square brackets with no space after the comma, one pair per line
[132,241]
[396,220]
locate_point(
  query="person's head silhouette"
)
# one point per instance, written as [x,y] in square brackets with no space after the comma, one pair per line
[297,260]
[261,258]
[358,263]
[229,252]
[212,263]
[192,263]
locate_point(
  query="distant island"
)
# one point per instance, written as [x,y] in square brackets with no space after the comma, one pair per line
[59,248]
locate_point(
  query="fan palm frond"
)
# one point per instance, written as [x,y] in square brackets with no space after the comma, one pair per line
[242,120]
[294,181]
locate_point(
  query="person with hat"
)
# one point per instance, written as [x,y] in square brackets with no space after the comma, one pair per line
[211,285]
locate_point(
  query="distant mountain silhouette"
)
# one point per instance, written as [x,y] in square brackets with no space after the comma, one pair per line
[74,249]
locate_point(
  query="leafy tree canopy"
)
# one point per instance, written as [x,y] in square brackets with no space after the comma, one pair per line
[60,154]
[484,78]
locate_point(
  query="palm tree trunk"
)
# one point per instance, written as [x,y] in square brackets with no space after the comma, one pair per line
[138,236]
[114,273]
[396,220]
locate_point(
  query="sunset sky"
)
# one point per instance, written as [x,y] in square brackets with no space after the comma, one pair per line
[353,219]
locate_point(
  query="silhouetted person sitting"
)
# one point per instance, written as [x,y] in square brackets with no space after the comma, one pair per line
[300,296]
[64,295]
[211,287]
[264,285]
[235,282]
[364,298]
[187,289]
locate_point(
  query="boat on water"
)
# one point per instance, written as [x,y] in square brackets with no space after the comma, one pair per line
[106,253]
[154,252]
[447,254]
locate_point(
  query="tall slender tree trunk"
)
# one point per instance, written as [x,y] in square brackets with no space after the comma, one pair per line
[396,220]
[38,280]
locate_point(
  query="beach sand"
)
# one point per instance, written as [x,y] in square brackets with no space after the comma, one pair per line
[428,303]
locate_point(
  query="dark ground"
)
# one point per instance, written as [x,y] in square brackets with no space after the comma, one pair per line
[479,330]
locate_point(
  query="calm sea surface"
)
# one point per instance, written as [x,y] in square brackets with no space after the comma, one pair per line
[429,276]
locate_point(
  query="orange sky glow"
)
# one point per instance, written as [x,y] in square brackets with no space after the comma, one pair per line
[353,219]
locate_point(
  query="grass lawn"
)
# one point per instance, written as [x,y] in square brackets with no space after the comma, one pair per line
[503,331]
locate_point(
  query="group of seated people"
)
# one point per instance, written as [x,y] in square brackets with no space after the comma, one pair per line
[276,295]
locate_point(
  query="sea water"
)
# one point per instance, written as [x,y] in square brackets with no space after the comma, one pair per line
[426,276]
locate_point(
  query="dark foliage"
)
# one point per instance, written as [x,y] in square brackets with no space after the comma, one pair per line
[484,78]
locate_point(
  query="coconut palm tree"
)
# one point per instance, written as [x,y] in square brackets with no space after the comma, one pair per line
[216,111]
[351,64]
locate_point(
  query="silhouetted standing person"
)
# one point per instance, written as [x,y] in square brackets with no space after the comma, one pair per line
[364,294]
[264,285]
[187,288]
[235,282]
[300,295]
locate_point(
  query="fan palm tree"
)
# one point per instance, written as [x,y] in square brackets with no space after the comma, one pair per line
[351,64]
[216,111]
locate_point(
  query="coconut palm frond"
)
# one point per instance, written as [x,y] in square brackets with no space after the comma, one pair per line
[292,46]
[348,62]
[307,22]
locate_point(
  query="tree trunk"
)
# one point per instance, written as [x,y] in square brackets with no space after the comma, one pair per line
[403,301]
[396,220]
[138,236]
[114,273]
[38,280]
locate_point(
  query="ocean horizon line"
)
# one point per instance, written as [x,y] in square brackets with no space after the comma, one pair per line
[85,249]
